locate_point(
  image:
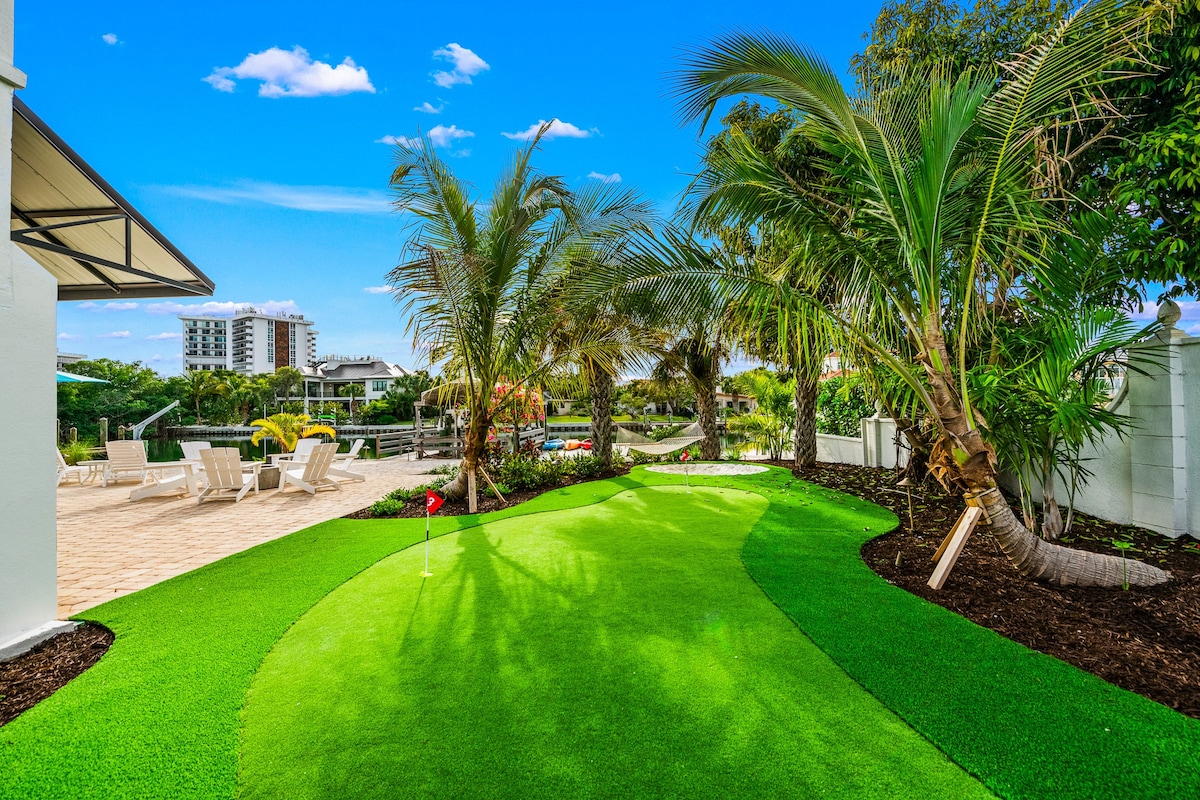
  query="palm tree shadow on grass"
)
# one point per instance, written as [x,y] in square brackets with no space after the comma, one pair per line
[617,650]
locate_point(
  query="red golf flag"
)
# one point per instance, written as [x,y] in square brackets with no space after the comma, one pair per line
[432,501]
[684,456]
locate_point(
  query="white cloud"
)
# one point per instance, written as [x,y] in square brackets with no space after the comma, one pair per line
[439,136]
[217,308]
[165,335]
[429,108]
[600,176]
[293,73]
[109,38]
[558,130]
[1190,310]
[110,307]
[378,289]
[334,199]
[69,336]
[114,335]
[1193,331]
[88,306]
[466,64]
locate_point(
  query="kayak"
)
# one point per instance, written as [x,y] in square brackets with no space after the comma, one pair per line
[554,444]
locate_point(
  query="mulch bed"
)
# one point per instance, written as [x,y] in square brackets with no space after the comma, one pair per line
[1146,640]
[32,677]
[453,508]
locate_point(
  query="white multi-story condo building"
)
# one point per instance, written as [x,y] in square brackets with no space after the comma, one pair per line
[252,342]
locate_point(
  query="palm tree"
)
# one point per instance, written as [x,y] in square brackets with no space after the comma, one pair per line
[287,429]
[353,391]
[286,380]
[204,385]
[484,282]
[941,200]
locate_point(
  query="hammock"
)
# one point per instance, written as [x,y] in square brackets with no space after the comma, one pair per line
[635,441]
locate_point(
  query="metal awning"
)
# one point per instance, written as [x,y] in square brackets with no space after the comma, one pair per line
[73,223]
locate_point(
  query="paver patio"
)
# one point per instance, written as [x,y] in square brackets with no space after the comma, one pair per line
[109,546]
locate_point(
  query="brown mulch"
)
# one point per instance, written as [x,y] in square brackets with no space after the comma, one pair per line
[32,677]
[1146,640]
[453,508]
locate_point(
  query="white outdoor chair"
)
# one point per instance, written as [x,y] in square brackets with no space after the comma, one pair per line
[191,450]
[126,458]
[223,474]
[312,474]
[342,463]
[65,469]
[303,448]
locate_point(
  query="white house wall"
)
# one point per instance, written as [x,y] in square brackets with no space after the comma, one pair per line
[28,568]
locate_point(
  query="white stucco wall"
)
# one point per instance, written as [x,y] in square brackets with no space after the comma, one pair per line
[28,569]
[839,449]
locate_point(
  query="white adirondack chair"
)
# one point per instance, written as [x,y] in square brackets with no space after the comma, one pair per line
[191,450]
[224,476]
[312,474]
[342,463]
[126,458]
[65,469]
[304,448]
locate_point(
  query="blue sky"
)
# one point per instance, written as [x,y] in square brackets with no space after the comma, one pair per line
[254,136]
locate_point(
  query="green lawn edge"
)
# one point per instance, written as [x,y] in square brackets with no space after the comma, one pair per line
[159,715]
[1024,723]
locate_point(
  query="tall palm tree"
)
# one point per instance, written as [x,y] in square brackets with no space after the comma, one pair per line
[484,281]
[353,391]
[941,198]
[202,386]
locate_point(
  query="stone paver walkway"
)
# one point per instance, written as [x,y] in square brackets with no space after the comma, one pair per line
[109,546]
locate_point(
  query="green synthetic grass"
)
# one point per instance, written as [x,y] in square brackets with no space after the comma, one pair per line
[1028,724]
[159,716]
[613,651]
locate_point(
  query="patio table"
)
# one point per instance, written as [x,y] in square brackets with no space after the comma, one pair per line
[95,469]
[160,485]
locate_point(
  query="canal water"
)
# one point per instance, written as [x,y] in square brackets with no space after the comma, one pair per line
[169,449]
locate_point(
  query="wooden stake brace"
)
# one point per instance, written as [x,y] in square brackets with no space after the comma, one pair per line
[488,478]
[952,546]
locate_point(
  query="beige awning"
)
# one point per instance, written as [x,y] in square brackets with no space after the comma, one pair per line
[73,223]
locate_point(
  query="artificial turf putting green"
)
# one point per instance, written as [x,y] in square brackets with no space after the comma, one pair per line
[159,715]
[618,650]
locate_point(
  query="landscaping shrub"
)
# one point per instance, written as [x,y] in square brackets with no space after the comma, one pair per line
[502,487]
[519,473]
[387,507]
[74,452]
[584,467]
[840,406]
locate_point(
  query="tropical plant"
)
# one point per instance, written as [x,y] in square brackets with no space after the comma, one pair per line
[202,386]
[285,381]
[76,451]
[482,282]
[353,391]
[287,429]
[841,405]
[769,427]
[941,202]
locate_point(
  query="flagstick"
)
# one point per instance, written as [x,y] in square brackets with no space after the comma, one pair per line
[686,479]
[427,573]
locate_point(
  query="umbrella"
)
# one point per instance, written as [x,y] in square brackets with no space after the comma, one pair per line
[67,377]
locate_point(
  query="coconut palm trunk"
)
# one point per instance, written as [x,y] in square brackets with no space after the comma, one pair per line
[804,435]
[600,384]
[963,456]
[474,446]
[706,410]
